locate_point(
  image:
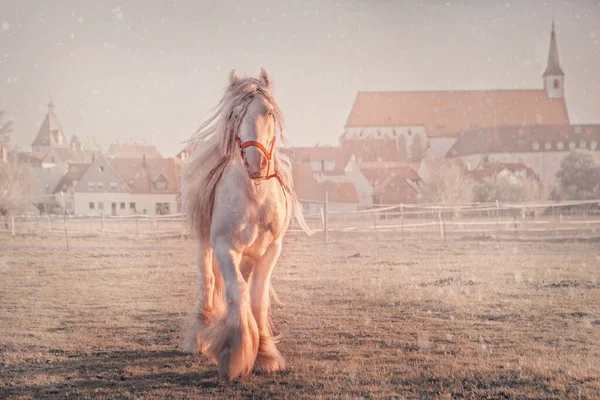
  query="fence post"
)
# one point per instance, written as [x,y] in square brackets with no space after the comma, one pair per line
[137,228]
[402,220]
[12,226]
[326,217]
[65,224]
[497,219]
[91,225]
[102,225]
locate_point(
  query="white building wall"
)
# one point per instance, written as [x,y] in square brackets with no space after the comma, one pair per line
[144,203]
[439,147]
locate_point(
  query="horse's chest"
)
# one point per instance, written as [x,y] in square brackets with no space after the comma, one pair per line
[263,227]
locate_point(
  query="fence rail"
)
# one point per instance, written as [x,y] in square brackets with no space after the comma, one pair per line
[405,221]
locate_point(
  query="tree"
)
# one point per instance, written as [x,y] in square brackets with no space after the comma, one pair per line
[416,152]
[5,130]
[402,151]
[502,189]
[450,184]
[579,176]
[17,187]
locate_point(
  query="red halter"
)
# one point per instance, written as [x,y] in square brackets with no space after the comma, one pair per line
[268,154]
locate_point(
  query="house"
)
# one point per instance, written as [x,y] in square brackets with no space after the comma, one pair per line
[127,186]
[336,166]
[512,173]
[392,182]
[428,123]
[132,150]
[342,196]
[542,147]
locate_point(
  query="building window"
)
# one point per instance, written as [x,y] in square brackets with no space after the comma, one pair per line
[316,165]
[582,144]
[100,186]
[91,205]
[132,206]
[560,145]
[52,159]
[101,168]
[547,145]
[556,84]
[114,186]
[161,185]
[536,146]
[571,145]
[91,186]
[122,206]
[329,165]
[100,206]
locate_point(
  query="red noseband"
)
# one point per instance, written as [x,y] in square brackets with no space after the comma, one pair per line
[268,154]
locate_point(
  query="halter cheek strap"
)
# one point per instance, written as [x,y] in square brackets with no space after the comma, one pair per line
[268,154]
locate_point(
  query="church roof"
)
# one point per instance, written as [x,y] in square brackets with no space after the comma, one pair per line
[448,113]
[553,67]
[50,133]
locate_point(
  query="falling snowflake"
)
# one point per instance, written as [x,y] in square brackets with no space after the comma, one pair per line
[5,26]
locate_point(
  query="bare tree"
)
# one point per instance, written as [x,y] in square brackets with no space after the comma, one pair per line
[416,150]
[5,130]
[450,184]
[17,187]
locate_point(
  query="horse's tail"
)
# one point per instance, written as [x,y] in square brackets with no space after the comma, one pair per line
[300,217]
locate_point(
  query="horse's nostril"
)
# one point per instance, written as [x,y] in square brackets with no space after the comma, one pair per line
[263,162]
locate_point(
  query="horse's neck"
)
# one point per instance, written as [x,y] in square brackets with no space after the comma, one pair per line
[256,193]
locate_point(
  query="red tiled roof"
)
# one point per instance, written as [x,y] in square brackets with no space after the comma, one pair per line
[132,151]
[375,172]
[447,113]
[139,175]
[394,189]
[307,187]
[340,192]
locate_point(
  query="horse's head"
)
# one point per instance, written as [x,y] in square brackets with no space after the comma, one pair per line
[256,119]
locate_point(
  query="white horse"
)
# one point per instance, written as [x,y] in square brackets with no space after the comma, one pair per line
[237,192]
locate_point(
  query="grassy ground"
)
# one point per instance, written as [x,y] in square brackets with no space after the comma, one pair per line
[362,318]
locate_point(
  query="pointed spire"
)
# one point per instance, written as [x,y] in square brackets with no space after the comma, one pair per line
[553,67]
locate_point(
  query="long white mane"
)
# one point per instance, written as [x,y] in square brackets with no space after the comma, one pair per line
[215,147]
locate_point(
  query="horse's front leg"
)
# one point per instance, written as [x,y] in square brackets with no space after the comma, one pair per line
[200,317]
[269,359]
[233,342]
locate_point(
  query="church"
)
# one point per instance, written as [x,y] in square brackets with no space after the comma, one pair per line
[415,124]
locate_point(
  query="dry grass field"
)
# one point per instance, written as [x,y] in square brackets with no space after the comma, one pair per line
[361,319]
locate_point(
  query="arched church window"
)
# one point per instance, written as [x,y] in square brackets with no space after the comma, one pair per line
[556,84]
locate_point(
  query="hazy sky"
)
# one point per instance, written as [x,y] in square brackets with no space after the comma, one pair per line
[152,69]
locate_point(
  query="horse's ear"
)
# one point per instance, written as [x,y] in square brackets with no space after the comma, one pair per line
[233,77]
[265,78]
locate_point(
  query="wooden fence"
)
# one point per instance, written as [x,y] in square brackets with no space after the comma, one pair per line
[399,221]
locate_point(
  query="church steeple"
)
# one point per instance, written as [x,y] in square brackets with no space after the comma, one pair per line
[554,77]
